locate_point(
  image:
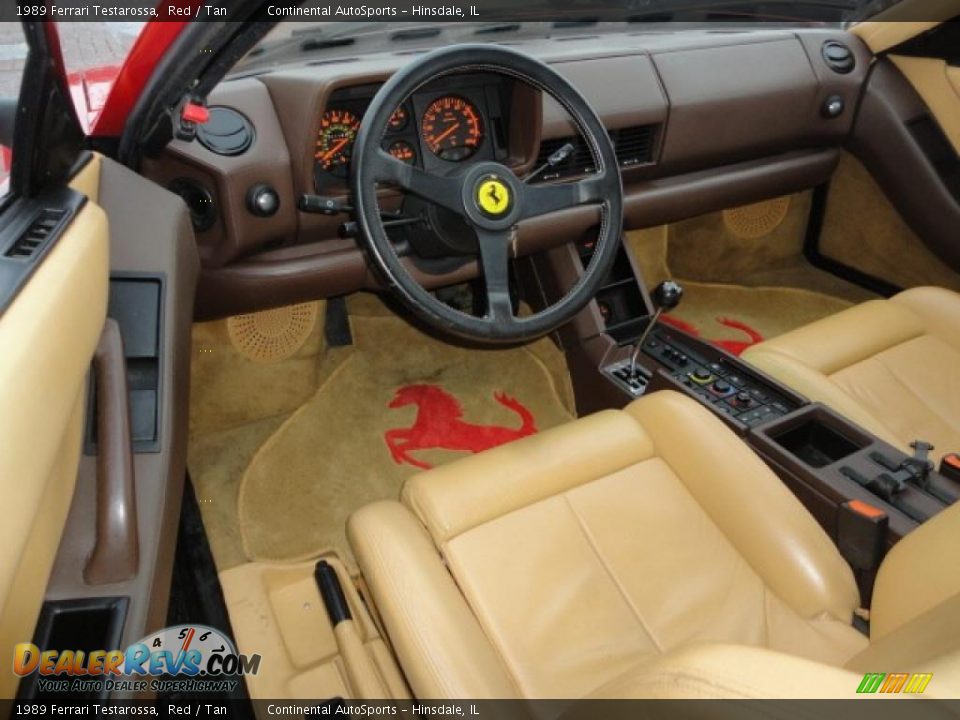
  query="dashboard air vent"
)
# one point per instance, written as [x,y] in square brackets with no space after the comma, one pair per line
[838,57]
[36,235]
[634,146]
[227,132]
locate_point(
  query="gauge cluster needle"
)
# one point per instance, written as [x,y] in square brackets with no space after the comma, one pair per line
[335,149]
[442,136]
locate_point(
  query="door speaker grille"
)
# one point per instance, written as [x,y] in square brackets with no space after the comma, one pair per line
[273,335]
[758,219]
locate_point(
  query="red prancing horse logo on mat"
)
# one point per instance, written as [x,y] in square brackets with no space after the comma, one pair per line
[734,347]
[438,425]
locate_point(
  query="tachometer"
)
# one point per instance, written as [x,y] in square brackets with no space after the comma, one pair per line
[452,128]
[338,130]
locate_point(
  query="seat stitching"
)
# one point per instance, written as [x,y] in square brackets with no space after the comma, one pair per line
[428,507]
[786,352]
[767,635]
[901,381]
[620,589]
[498,648]
[424,650]
[829,377]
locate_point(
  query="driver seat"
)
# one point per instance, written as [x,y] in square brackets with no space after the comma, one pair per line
[640,553]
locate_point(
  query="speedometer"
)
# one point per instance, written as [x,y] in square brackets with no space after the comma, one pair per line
[452,128]
[338,130]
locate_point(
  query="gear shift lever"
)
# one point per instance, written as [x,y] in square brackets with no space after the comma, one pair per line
[666,296]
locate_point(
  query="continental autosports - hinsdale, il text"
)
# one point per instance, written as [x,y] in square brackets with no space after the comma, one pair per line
[369,11]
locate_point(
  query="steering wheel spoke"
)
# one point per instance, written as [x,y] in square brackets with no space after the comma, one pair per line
[545,199]
[443,191]
[495,262]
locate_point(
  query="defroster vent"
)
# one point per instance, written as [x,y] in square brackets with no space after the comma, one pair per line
[634,146]
[35,237]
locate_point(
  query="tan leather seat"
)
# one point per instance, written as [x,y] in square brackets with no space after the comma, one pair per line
[891,366]
[638,553]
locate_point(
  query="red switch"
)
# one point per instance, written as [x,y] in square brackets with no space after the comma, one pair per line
[194,113]
[865,509]
[950,466]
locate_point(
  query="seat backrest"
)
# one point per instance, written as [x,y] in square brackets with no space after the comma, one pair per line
[889,366]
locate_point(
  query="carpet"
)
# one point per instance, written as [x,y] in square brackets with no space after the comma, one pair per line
[399,401]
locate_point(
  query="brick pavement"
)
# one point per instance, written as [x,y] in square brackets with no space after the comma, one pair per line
[84,45]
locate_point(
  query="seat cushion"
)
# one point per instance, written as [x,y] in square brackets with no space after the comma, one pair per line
[731,672]
[891,366]
[568,558]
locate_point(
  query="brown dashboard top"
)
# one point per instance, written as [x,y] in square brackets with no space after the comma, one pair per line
[701,101]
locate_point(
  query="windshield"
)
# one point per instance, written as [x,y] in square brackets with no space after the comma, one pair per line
[297,37]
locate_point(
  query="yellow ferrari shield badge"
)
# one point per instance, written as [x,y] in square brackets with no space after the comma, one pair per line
[493,197]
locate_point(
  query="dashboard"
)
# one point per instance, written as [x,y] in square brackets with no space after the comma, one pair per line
[449,122]
[700,121]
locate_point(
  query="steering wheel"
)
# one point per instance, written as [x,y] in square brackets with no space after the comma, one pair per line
[487,195]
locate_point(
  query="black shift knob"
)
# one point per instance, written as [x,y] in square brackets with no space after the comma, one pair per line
[667,295]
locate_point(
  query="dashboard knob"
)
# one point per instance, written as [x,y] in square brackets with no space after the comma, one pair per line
[263,200]
[833,107]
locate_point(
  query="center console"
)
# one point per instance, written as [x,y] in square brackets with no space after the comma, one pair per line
[720,381]
[865,493]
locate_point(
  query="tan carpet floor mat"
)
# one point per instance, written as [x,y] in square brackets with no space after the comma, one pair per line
[736,317]
[741,290]
[397,400]
[217,462]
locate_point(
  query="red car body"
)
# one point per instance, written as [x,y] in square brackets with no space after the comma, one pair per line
[108,101]
[104,96]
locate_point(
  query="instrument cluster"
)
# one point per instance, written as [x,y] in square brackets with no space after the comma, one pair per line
[436,128]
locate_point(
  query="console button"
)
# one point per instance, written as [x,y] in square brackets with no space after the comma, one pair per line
[717,369]
[722,387]
[759,395]
[726,409]
[757,417]
[735,379]
[701,393]
[743,401]
[701,376]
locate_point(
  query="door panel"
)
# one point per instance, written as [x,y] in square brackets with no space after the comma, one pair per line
[48,334]
[939,85]
[907,136]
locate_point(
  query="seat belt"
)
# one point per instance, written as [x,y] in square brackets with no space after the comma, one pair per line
[862,540]
[887,487]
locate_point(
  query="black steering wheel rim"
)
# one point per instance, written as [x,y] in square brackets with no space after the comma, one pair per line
[371,165]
